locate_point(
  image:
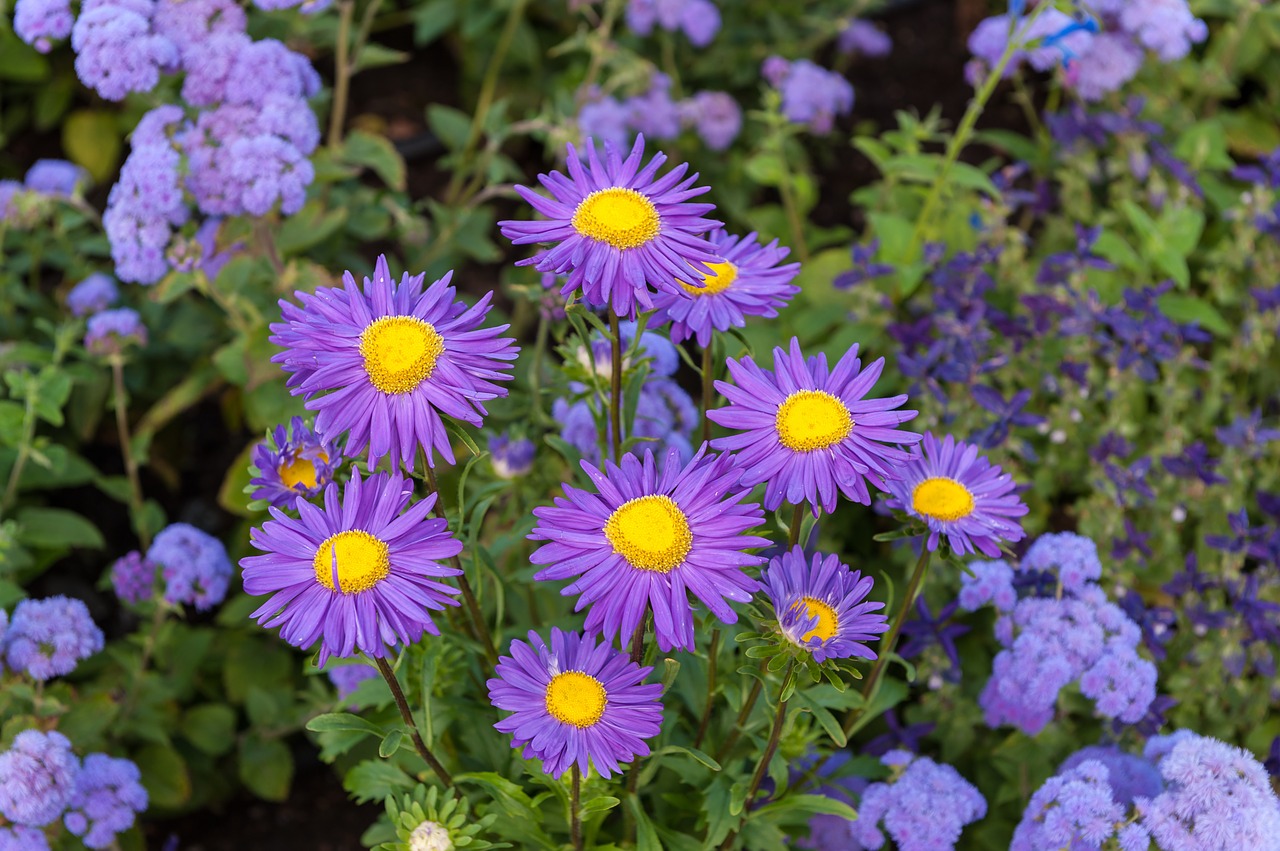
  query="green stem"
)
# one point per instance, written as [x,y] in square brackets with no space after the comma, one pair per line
[708,389]
[575,808]
[148,650]
[705,721]
[637,640]
[770,748]
[786,191]
[743,714]
[615,386]
[886,646]
[24,449]
[407,716]
[341,73]
[485,100]
[468,595]
[797,520]
[126,451]
[963,132]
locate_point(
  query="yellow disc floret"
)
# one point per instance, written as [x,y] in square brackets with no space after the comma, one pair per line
[942,499]
[363,561]
[721,278]
[620,217]
[827,624]
[576,698]
[400,352]
[298,471]
[812,419]
[650,532]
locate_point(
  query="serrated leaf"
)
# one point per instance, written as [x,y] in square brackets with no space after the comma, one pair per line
[375,780]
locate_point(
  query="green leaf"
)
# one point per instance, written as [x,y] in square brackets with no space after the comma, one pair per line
[599,805]
[211,727]
[19,61]
[56,528]
[767,169]
[11,418]
[164,775]
[375,780]
[90,139]
[646,836]
[266,767]
[824,718]
[809,804]
[430,20]
[453,126]
[376,153]
[693,753]
[374,55]
[1189,308]
[343,721]
[390,743]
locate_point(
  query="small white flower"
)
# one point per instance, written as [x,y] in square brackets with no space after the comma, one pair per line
[1058,436]
[430,836]
[1178,514]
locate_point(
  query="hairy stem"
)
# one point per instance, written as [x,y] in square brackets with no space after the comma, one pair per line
[575,809]
[708,389]
[403,705]
[615,386]
[797,520]
[711,688]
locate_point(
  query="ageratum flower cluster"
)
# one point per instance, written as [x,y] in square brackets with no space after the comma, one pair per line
[714,116]
[237,144]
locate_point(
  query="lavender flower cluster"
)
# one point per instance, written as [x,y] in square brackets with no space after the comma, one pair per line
[193,566]
[47,638]
[1050,642]
[699,20]
[1100,55]
[239,142]
[41,780]
[811,95]
[20,201]
[926,806]
[714,116]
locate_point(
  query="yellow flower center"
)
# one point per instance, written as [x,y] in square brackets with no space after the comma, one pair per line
[621,217]
[812,419]
[650,532]
[942,499]
[576,698]
[362,561]
[400,352]
[721,278]
[827,623]
[300,471]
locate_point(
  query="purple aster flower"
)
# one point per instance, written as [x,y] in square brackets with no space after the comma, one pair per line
[1110,61]
[111,331]
[108,796]
[1129,776]
[356,574]
[864,39]
[646,539]
[821,605]
[511,458]
[1073,809]
[117,51]
[745,280]
[194,565]
[960,495]
[18,837]
[575,703]
[987,582]
[37,777]
[617,230]
[347,678]
[808,431]
[926,807]
[389,360]
[42,22]
[654,113]
[133,578]
[715,116]
[1216,796]
[1072,558]
[928,629]
[92,295]
[811,94]
[46,638]
[57,178]
[293,463]
[864,268]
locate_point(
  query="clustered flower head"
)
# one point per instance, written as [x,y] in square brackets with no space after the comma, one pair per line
[194,565]
[110,332]
[108,796]
[37,777]
[925,807]
[92,295]
[133,577]
[47,638]
[699,20]
[293,463]
[1050,642]
[864,39]
[1074,808]
[714,116]
[811,94]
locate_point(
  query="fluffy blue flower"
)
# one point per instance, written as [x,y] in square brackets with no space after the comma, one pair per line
[92,295]
[654,113]
[18,837]
[1129,776]
[108,796]
[924,809]
[1074,558]
[42,22]
[1074,809]
[194,565]
[133,578]
[987,582]
[811,94]
[864,39]
[715,117]
[117,51]
[37,777]
[109,332]
[47,638]
[58,178]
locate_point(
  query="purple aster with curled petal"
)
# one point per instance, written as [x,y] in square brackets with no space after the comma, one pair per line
[42,22]
[1216,796]
[647,538]
[92,295]
[809,431]
[958,494]
[194,565]
[575,702]
[925,807]
[384,362]
[108,796]
[47,638]
[1073,809]
[617,229]
[133,578]
[1129,776]
[37,777]
[745,280]
[822,606]
[293,463]
[361,573]
[111,331]
[117,50]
